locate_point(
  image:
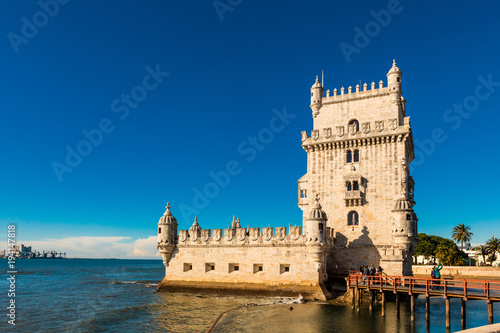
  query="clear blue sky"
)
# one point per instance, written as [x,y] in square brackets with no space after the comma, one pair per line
[228,68]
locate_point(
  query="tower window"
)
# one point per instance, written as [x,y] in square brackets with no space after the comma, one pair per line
[258,268]
[397,79]
[159,230]
[353,218]
[355,122]
[355,186]
[356,155]
[303,194]
[320,227]
[349,186]
[349,156]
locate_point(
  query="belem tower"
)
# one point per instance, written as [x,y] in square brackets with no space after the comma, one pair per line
[356,198]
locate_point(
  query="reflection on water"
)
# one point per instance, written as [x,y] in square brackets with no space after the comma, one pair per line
[316,317]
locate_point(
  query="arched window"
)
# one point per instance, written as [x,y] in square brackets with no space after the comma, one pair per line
[355,122]
[353,218]
[356,155]
[355,186]
[349,156]
[159,230]
[349,187]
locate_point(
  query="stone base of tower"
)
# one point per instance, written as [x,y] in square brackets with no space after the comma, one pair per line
[308,291]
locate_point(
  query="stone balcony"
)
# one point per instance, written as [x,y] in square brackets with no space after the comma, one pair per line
[353,198]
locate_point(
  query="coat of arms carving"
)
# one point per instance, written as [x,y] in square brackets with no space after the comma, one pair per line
[241,233]
[254,233]
[295,232]
[365,127]
[217,235]
[268,233]
[379,125]
[315,135]
[327,132]
[229,234]
[340,130]
[183,235]
[393,124]
[281,233]
[205,234]
[352,129]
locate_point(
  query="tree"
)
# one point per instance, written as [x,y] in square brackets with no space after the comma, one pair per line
[461,233]
[444,249]
[493,244]
[484,251]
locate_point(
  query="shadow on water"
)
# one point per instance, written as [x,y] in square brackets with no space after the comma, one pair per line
[316,317]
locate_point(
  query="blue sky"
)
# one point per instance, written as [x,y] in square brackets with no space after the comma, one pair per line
[206,76]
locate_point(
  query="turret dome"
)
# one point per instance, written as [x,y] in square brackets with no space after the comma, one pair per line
[167,217]
[316,84]
[317,212]
[394,68]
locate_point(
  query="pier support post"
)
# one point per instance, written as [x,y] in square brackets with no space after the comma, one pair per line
[427,308]
[412,307]
[463,314]
[448,325]
[353,298]
[397,303]
[358,299]
[490,312]
[383,303]
[372,299]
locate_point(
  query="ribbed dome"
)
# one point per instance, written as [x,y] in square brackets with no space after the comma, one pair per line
[403,204]
[317,213]
[394,68]
[168,218]
[316,84]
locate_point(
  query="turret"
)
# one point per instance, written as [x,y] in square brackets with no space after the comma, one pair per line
[167,235]
[316,97]
[405,221]
[315,225]
[167,228]
[394,83]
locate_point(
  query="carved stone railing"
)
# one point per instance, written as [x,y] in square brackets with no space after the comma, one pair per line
[353,198]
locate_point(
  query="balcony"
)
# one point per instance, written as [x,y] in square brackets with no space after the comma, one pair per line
[353,198]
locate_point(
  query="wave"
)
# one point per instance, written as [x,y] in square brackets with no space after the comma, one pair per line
[147,283]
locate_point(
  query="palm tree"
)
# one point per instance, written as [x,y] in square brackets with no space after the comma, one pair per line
[484,251]
[493,244]
[461,233]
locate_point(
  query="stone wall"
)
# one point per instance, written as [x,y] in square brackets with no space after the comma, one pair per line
[298,269]
[460,271]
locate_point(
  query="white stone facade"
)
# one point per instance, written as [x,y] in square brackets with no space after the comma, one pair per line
[358,157]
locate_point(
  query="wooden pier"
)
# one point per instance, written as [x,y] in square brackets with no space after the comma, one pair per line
[414,286]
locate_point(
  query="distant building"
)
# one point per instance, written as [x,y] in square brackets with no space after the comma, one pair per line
[357,199]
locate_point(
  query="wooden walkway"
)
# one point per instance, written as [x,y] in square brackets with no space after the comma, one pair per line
[463,289]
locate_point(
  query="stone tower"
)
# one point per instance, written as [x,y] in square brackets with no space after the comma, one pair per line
[358,158]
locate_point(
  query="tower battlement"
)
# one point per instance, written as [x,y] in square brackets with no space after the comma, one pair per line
[339,96]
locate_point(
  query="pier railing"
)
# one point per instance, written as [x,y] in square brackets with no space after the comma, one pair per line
[468,288]
[465,289]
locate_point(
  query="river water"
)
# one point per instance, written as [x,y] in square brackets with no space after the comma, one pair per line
[98,295]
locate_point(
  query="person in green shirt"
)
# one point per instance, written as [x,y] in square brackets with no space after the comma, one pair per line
[437,275]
